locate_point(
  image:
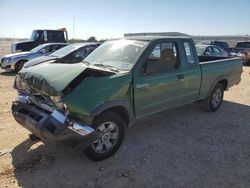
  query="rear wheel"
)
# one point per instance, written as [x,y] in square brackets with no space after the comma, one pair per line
[215,98]
[112,129]
[19,65]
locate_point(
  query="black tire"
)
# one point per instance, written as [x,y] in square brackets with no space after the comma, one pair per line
[19,65]
[248,63]
[215,98]
[104,120]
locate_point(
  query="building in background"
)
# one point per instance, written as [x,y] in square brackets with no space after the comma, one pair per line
[231,39]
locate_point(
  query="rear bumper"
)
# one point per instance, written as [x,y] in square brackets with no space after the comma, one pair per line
[52,126]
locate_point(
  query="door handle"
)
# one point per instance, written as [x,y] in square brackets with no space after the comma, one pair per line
[180,76]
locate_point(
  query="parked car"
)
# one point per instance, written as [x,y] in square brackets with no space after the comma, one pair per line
[221,44]
[242,49]
[41,37]
[17,60]
[89,104]
[73,53]
[211,50]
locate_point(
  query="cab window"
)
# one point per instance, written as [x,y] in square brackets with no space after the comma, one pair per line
[164,57]
[189,54]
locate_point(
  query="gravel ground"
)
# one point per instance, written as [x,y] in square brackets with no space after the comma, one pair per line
[185,147]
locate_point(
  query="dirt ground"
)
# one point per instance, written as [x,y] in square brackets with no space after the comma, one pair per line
[186,147]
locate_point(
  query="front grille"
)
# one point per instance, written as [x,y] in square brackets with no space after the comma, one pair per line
[31,114]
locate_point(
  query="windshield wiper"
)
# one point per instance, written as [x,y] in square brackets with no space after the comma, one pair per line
[52,55]
[85,62]
[106,66]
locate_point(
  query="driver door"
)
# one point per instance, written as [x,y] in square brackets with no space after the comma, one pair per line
[161,81]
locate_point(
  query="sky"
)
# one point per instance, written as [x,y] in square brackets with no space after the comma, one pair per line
[106,19]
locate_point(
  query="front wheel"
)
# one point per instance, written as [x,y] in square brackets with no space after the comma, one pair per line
[215,98]
[19,65]
[112,129]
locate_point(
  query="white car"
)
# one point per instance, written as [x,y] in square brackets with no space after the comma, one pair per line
[16,61]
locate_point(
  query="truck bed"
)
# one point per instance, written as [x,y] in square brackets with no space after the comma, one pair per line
[203,59]
[219,68]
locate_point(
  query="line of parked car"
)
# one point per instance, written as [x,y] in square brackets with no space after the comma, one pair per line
[48,53]
[55,52]
[222,49]
[45,46]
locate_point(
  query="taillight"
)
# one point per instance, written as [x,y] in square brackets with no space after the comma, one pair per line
[245,55]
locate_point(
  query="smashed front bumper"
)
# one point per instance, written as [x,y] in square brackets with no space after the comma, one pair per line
[51,125]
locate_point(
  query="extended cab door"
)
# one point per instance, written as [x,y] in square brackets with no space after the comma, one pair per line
[191,71]
[170,77]
[160,83]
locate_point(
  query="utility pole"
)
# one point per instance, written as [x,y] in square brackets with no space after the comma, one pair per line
[73,27]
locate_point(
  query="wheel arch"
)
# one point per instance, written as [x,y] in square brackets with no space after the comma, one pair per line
[21,60]
[222,81]
[121,107]
[18,61]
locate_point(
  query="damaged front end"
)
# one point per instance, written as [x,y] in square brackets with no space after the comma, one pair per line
[38,107]
[50,124]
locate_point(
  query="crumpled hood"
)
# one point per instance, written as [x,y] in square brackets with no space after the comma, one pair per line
[52,79]
[19,54]
[38,60]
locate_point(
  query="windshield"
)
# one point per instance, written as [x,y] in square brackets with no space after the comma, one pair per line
[34,35]
[120,54]
[65,50]
[243,45]
[38,48]
[200,49]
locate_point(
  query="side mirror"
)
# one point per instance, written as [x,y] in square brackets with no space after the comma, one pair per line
[207,53]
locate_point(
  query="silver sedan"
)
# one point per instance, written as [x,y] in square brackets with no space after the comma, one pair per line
[210,50]
[16,61]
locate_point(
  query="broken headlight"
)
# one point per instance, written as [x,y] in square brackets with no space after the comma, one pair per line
[19,84]
[60,104]
[7,60]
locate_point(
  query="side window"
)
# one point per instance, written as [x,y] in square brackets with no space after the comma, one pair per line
[189,53]
[45,49]
[89,49]
[164,57]
[59,46]
[44,36]
[54,48]
[55,35]
[80,52]
[217,50]
[208,51]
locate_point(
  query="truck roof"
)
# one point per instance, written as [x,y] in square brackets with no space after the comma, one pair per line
[47,30]
[150,38]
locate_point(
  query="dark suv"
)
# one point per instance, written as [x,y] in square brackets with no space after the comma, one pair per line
[40,37]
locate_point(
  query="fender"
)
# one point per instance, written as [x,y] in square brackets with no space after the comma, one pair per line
[215,82]
[116,103]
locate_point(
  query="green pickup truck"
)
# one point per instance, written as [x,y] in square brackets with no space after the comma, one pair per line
[90,104]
